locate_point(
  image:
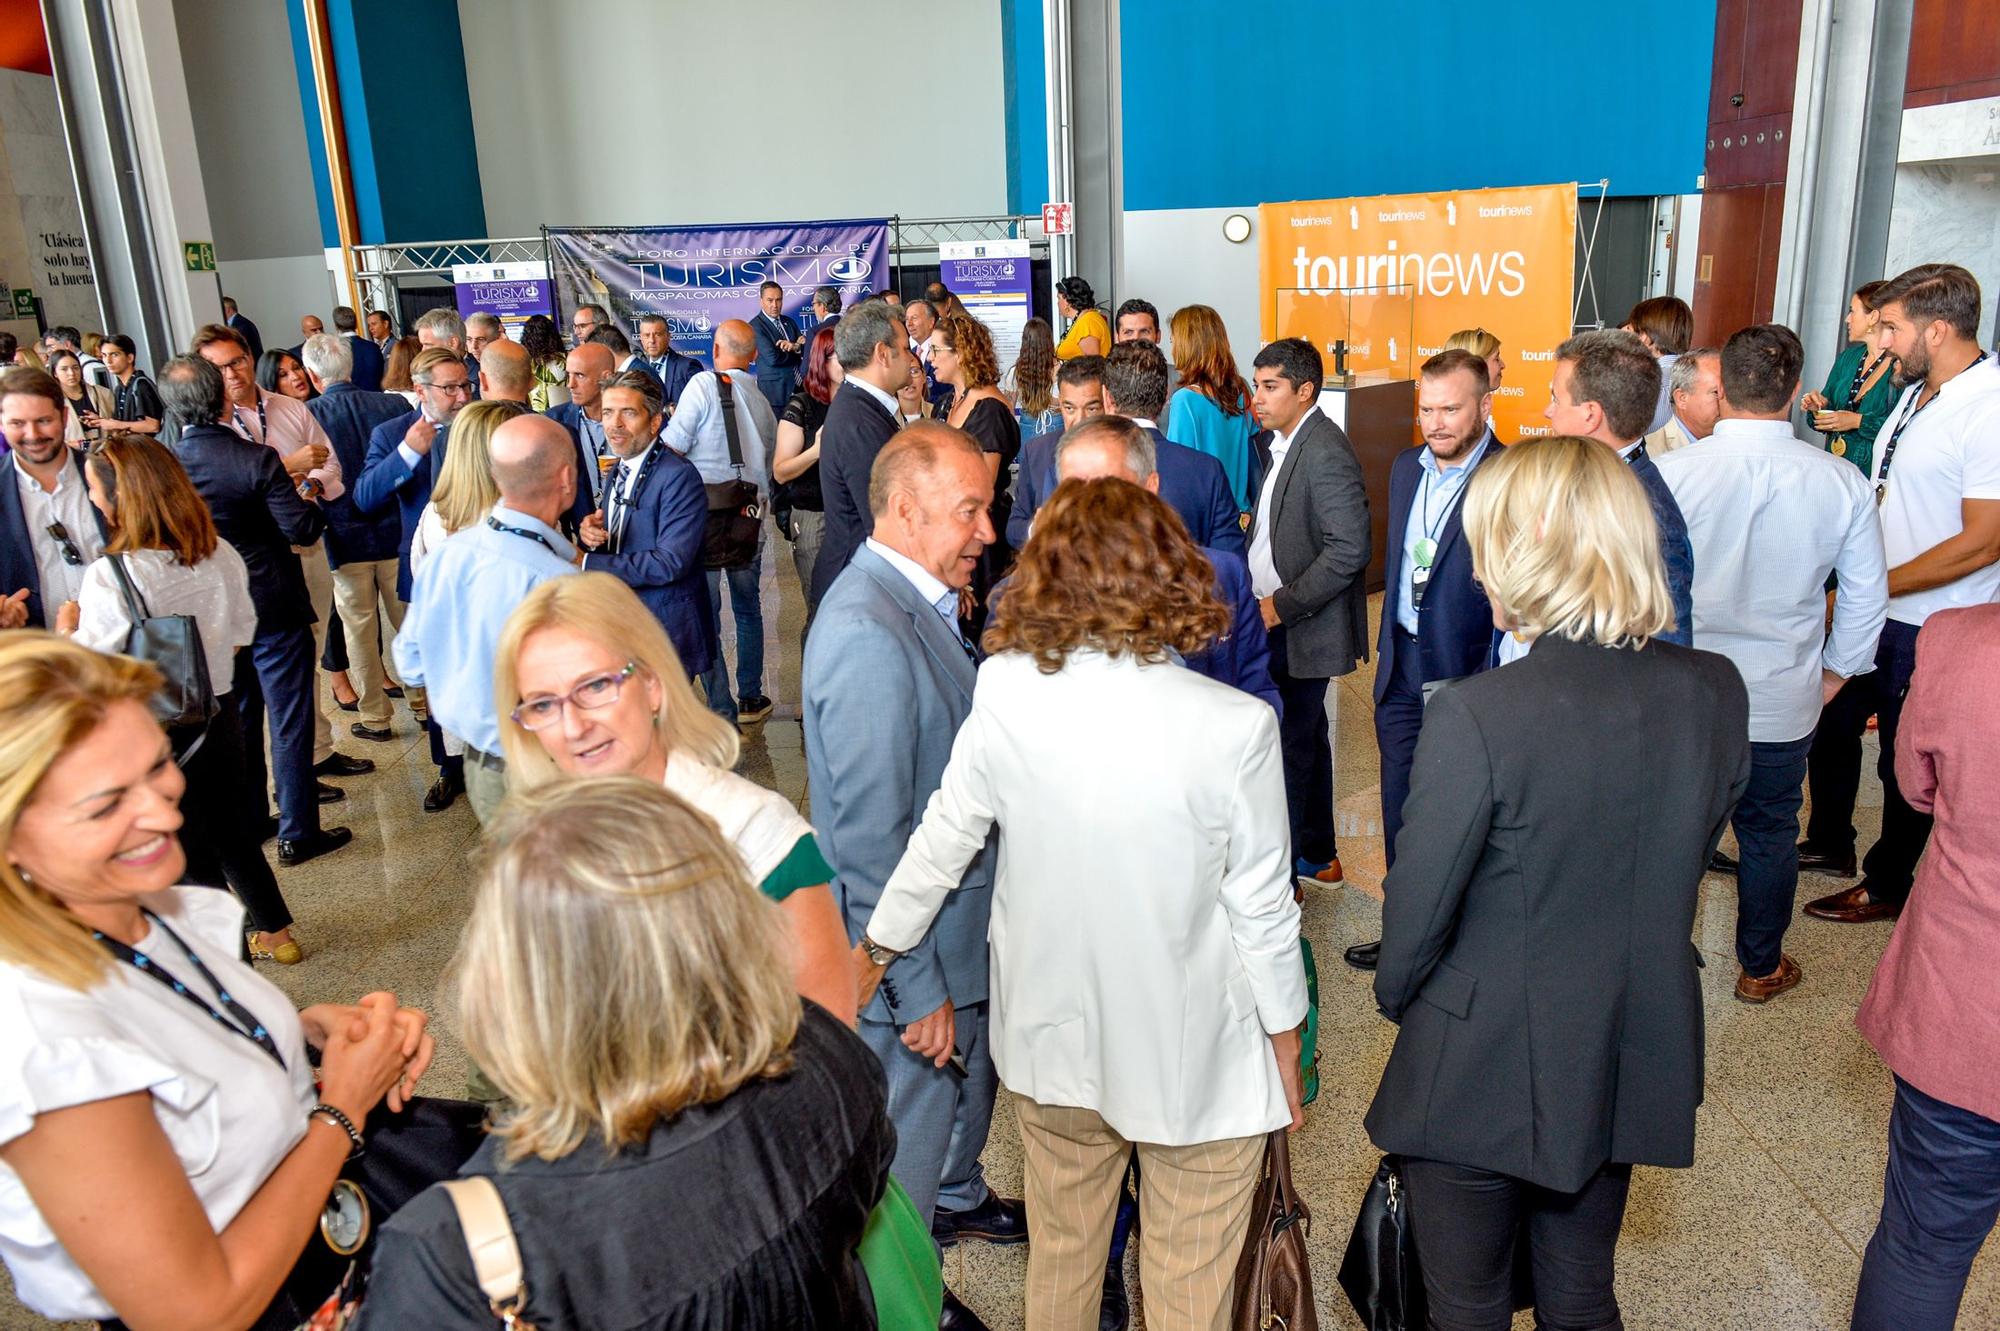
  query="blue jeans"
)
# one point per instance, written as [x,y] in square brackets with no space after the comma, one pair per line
[1939,1199]
[1767,840]
[749,612]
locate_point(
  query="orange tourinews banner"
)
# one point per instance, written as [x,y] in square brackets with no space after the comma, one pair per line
[1427,265]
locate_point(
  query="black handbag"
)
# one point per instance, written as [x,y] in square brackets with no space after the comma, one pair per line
[170,644]
[735,518]
[1380,1272]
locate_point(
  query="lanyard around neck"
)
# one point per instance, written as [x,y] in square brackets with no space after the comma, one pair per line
[524,534]
[263,432]
[1896,436]
[232,1016]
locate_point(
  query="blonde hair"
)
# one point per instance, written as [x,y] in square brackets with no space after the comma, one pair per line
[1563,538]
[618,967]
[1475,340]
[466,490]
[53,693]
[600,607]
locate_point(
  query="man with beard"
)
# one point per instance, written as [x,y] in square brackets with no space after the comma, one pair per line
[49,530]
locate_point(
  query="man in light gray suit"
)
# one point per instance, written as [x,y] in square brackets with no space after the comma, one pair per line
[1309,544]
[887,682]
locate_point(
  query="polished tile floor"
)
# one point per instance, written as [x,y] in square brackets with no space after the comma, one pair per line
[1765,1231]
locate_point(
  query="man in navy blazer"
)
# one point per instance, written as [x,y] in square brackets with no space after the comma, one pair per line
[1079,396]
[31,417]
[656,356]
[874,349]
[649,532]
[780,348]
[406,454]
[258,510]
[1436,622]
[368,362]
[236,319]
[589,365]
[1192,482]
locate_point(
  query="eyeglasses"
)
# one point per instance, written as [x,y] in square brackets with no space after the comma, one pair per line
[597,691]
[60,535]
[462,386]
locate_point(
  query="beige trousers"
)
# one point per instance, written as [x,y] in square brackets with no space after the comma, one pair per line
[1194,1210]
[484,788]
[366,595]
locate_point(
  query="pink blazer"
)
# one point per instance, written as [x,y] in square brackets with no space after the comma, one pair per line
[1933,1008]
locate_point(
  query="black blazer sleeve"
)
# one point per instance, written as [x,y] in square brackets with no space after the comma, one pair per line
[302,523]
[1445,822]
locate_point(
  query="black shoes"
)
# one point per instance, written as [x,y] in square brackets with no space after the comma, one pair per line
[326,794]
[1363,956]
[957,1317]
[752,709]
[339,764]
[447,788]
[312,847]
[1002,1220]
[1720,863]
[1115,1313]
[382,736]
[1828,863]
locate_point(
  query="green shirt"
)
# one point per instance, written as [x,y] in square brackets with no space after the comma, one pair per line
[1858,446]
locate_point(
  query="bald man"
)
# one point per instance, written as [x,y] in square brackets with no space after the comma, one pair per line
[583,415]
[505,373]
[474,580]
[699,431]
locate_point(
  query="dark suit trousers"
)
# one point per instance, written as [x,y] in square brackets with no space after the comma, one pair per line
[1767,846]
[1834,768]
[1399,716]
[1308,754]
[222,814]
[1467,1221]
[280,680]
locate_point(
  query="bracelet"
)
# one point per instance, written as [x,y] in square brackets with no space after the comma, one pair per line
[340,1120]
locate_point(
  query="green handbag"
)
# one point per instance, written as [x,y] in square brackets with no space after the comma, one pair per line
[1309,1037]
[902,1264]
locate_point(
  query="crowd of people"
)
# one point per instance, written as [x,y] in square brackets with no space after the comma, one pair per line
[1071,626]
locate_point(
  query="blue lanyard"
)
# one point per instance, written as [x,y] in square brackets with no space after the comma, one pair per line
[238,1019]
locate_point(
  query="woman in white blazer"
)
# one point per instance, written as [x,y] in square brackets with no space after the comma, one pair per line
[1147,987]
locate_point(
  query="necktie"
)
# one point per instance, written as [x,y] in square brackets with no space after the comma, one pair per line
[947,608]
[616,508]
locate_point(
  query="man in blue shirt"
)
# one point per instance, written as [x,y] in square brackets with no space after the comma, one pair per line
[474,581]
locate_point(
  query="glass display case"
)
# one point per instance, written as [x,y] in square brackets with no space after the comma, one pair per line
[1370,329]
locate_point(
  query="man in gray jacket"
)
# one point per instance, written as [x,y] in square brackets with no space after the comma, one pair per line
[888,681]
[1309,545]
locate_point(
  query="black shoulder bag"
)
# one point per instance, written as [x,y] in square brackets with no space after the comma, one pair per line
[735,520]
[171,644]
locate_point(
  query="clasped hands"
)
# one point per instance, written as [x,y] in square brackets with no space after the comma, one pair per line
[369,1050]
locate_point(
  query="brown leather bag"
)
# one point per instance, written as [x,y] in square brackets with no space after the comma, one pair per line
[1274,1277]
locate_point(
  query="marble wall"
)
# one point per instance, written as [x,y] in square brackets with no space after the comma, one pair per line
[1949,212]
[41,227]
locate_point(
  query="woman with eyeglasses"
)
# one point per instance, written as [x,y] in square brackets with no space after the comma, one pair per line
[282,372]
[84,404]
[161,532]
[590,686]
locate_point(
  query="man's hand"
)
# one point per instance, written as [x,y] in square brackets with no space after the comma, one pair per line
[867,977]
[14,610]
[68,616]
[1829,685]
[1268,607]
[933,1036]
[590,533]
[421,436]
[303,460]
[1285,1048]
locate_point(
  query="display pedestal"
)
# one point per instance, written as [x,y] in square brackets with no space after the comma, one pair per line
[1380,418]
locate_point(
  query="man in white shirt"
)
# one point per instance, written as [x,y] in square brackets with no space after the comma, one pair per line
[698,431]
[1937,488]
[1770,517]
[1694,387]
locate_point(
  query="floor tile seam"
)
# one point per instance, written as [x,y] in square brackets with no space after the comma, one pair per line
[1812,1203]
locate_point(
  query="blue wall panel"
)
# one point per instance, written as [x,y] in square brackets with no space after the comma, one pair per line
[1233,104]
[1026,106]
[329,227]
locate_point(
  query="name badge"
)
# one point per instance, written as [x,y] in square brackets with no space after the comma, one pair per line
[1420,578]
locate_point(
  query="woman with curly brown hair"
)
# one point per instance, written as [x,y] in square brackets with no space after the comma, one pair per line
[963,356]
[1146,981]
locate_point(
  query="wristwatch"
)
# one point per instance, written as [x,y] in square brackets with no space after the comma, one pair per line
[878,954]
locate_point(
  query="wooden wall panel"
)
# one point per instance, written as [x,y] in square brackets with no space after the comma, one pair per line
[1954,51]
[1736,261]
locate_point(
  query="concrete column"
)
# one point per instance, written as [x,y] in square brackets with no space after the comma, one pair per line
[131,141]
[1086,161]
[1841,177]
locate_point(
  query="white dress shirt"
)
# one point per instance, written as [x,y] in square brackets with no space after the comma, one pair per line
[932,588]
[215,593]
[1949,453]
[890,403]
[69,504]
[698,433]
[1264,579]
[1769,516]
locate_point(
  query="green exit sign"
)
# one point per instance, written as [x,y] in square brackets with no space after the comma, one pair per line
[24,302]
[200,255]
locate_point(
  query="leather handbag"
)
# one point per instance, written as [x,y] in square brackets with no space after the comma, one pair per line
[170,644]
[1380,1273]
[1274,1276]
[735,518]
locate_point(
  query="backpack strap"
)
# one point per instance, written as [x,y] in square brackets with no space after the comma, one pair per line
[489,1238]
[727,390]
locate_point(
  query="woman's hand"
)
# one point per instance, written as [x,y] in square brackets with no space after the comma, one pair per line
[374,1053]
[68,616]
[1812,403]
[1285,1048]
[1837,422]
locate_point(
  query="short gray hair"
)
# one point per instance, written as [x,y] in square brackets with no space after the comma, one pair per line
[870,324]
[1687,368]
[444,326]
[344,320]
[1141,457]
[486,323]
[191,388]
[828,298]
[328,357]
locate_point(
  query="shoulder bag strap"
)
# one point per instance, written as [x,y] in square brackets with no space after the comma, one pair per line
[727,390]
[489,1238]
[135,604]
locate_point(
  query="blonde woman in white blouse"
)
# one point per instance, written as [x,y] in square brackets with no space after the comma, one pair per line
[164,1155]
[161,532]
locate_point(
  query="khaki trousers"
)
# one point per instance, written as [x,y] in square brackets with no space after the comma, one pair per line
[485,787]
[1194,1210]
[319,589]
[361,590]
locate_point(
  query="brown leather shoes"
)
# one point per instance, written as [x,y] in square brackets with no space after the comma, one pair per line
[1853,906]
[1762,989]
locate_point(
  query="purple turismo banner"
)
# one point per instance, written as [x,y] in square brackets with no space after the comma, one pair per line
[699,276]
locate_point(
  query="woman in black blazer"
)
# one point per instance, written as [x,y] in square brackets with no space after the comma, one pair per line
[1536,927]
